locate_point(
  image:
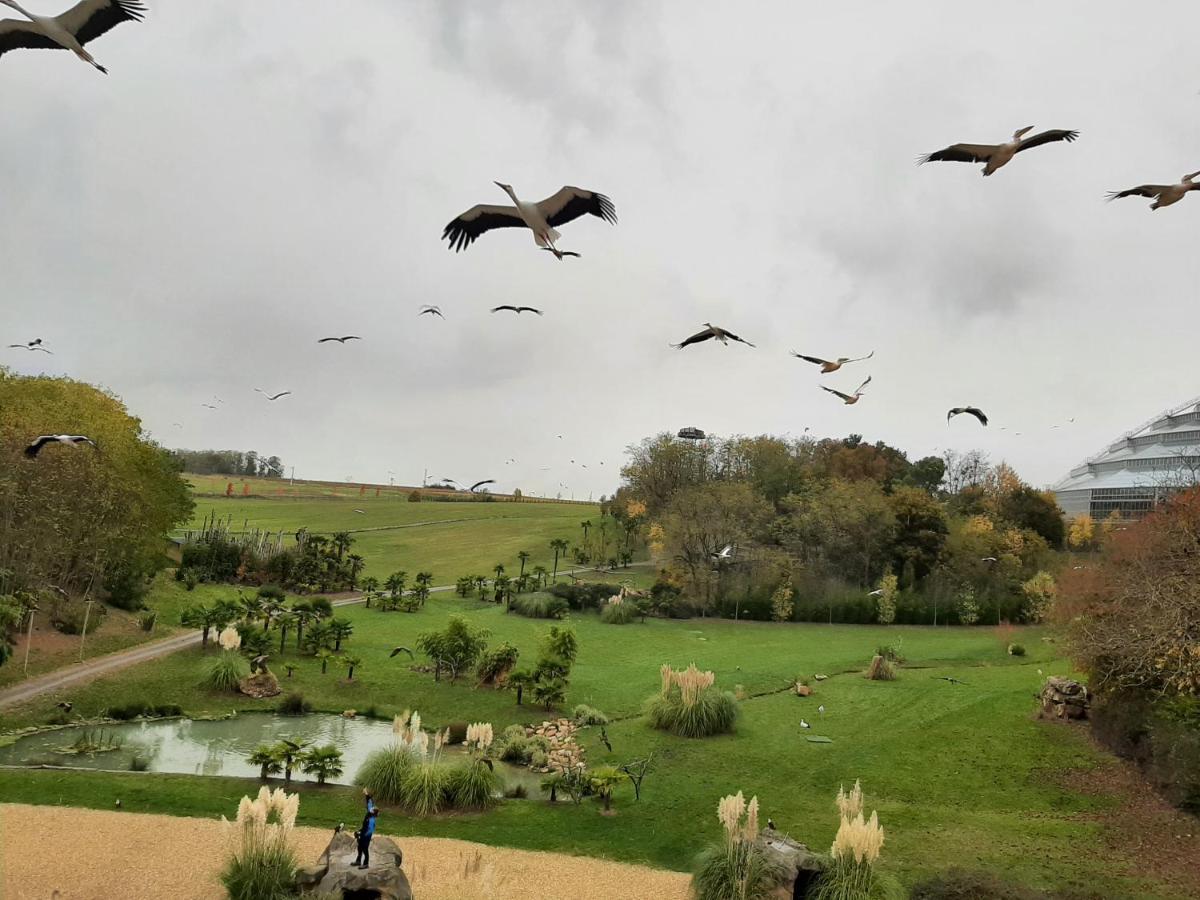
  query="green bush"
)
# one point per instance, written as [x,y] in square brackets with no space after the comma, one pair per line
[139,763]
[266,870]
[226,671]
[146,621]
[847,880]
[293,704]
[141,708]
[742,870]
[714,712]
[496,663]
[586,715]
[539,759]
[618,613]
[473,786]
[1016,649]
[540,606]
[584,596]
[425,788]
[384,773]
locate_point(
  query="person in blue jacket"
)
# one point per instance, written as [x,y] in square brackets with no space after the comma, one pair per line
[364,835]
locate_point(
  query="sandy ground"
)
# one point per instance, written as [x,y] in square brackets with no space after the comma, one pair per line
[91,855]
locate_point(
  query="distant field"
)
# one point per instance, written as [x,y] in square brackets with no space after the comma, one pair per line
[218,486]
[448,539]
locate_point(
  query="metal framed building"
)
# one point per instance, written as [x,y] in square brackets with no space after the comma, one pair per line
[1137,471]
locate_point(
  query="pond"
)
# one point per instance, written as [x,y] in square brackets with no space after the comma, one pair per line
[220,747]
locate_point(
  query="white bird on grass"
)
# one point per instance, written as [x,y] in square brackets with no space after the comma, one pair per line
[804,724]
[82,23]
[561,207]
[821,709]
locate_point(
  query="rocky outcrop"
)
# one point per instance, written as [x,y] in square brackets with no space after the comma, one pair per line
[1064,698]
[801,866]
[334,873]
[259,685]
[562,751]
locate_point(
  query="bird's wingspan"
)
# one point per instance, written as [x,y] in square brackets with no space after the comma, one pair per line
[839,393]
[504,306]
[18,35]
[461,232]
[91,18]
[1142,190]
[706,334]
[481,484]
[522,309]
[570,203]
[961,153]
[811,359]
[859,389]
[1047,137]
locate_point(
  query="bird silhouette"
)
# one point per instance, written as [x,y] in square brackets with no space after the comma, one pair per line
[340,340]
[969,410]
[431,311]
[71,440]
[272,396]
[398,650]
[517,309]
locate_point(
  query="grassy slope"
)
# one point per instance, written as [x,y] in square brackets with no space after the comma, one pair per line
[960,774]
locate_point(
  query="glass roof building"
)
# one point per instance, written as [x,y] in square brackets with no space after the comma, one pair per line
[1138,470]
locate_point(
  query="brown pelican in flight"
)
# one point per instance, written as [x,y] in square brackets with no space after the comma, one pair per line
[831,365]
[1163,194]
[849,399]
[710,332]
[561,207]
[997,155]
[80,24]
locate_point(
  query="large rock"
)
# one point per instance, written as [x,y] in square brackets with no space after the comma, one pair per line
[335,873]
[259,685]
[803,868]
[1064,698]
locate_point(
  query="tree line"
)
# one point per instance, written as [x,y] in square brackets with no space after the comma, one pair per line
[248,463]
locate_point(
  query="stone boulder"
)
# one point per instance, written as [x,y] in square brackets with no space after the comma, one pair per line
[259,685]
[802,867]
[1064,698]
[334,872]
[802,690]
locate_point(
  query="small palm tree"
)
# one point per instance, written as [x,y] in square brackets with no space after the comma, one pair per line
[370,587]
[502,584]
[341,541]
[463,586]
[551,783]
[498,569]
[286,620]
[324,762]
[523,556]
[604,781]
[325,656]
[559,546]
[539,574]
[340,630]
[251,608]
[518,680]
[349,663]
[586,526]
[481,584]
[289,753]
[356,564]
[266,757]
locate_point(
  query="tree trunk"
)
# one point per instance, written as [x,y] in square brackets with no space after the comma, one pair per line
[204,636]
[282,639]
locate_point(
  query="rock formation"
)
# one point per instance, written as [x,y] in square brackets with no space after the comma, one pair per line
[334,873]
[1064,698]
[259,685]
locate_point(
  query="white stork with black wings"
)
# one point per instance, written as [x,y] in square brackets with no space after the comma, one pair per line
[541,218]
[83,22]
[997,155]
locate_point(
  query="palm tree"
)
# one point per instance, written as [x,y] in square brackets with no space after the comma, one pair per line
[523,556]
[463,586]
[324,762]
[340,630]
[370,586]
[540,573]
[304,614]
[341,541]
[251,608]
[518,680]
[286,620]
[289,753]
[266,757]
[502,584]
[349,663]
[356,567]
[586,526]
[603,781]
[551,783]
[423,582]
[481,584]
[498,569]
[324,656]
[395,584]
[603,535]
[559,546]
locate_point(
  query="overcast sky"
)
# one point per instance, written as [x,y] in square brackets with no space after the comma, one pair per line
[252,176]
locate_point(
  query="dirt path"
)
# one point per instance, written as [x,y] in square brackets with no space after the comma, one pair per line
[105,855]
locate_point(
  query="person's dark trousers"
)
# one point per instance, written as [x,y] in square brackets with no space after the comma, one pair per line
[364,851]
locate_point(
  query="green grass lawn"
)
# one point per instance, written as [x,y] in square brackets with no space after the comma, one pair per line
[961,774]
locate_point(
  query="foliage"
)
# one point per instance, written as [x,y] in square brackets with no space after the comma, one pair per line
[425,788]
[456,648]
[586,715]
[293,704]
[619,612]
[852,874]
[496,663]
[603,781]
[229,462]
[473,785]
[880,669]
[889,588]
[1016,649]
[267,760]
[1082,532]
[783,602]
[539,606]
[690,705]
[966,607]
[226,671]
[585,595]
[1040,592]
[262,863]
[324,761]
[737,867]
[141,709]
[384,772]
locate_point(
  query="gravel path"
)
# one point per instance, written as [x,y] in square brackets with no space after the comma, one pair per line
[81,854]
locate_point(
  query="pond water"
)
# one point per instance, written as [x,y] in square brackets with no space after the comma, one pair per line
[220,747]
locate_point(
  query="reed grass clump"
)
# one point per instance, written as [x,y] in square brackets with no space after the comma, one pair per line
[385,771]
[690,705]
[262,860]
[540,606]
[852,873]
[880,669]
[737,867]
[618,613]
[226,671]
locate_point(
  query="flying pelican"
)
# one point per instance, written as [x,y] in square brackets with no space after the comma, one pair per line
[71,440]
[1163,194]
[828,365]
[969,410]
[272,396]
[480,484]
[712,331]
[997,155]
[559,254]
[431,310]
[849,399]
[557,209]
[398,650]
[517,309]
[340,340]
[83,22]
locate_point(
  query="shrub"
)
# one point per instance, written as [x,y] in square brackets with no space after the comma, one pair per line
[738,865]
[455,649]
[851,875]
[189,576]
[618,613]
[425,788]
[146,621]
[586,715]
[414,496]
[782,602]
[880,669]
[473,786]
[141,708]
[226,671]
[384,772]
[889,588]
[293,704]
[539,759]
[68,617]
[516,792]
[263,863]
[139,763]
[516,749]
[495,664]
[690,705]
[891,652]
[584,596]
[1016,649]
[539,606]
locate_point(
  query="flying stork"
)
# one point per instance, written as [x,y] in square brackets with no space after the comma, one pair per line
[969,410]
[35,344]
[1163,194]
[712,331]
[517,309]
[340,340]
[431,311]
[83,22]
[272,396]
[71,440]
[831,365]
[997,155]
[849,399]
[559,208]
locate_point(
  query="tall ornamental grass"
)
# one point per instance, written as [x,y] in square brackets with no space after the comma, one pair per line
[852,873]
[385,771]
[617,612]
[229,668]
[690,705]
[262,861]
[737,867]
